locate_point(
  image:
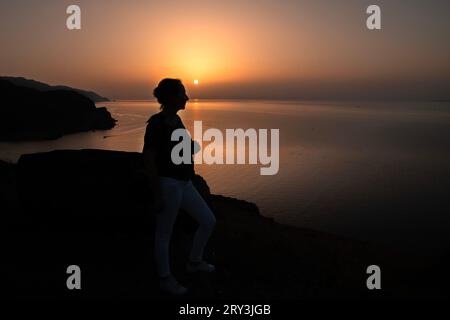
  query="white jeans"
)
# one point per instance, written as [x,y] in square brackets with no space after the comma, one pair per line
[178,194]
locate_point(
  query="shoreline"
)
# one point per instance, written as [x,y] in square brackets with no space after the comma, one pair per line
[382,246]
[256,258]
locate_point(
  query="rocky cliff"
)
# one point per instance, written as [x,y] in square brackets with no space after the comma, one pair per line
[30,114]
[40,86]
[92,208]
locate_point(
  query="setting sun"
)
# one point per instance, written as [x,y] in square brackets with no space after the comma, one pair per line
[196,82]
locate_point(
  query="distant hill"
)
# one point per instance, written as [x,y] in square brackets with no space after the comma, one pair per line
[33,84]
[30,114]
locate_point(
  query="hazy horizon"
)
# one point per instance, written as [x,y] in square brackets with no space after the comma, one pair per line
[289,50]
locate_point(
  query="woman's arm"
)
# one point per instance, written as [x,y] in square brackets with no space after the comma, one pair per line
[150,163]
[151,176]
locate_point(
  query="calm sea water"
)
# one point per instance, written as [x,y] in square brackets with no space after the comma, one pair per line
[372,171]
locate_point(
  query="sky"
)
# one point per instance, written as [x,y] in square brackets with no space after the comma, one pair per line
[260,49]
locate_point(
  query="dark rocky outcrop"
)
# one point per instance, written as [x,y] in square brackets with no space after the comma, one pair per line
[40,86]
[29,114]
[92,208]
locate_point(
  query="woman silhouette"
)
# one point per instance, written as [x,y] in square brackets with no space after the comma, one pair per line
[172,187]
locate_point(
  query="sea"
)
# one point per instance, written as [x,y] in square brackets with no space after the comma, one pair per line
[373,171]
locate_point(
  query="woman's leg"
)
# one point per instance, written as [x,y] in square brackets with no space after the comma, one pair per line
[194,204]
[172,192]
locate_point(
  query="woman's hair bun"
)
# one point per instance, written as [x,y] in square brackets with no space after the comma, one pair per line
[166,88]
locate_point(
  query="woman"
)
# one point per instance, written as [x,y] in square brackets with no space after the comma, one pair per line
[172,187]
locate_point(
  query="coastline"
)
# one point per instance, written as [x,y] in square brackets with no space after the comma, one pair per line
[256,258]
[34,112]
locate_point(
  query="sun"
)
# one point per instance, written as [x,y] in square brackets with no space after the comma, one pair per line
[196,82]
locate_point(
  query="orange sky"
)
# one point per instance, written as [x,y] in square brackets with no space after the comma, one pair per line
[280,49]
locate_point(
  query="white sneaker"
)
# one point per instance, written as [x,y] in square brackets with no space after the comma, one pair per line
[199,266]
[170,285]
